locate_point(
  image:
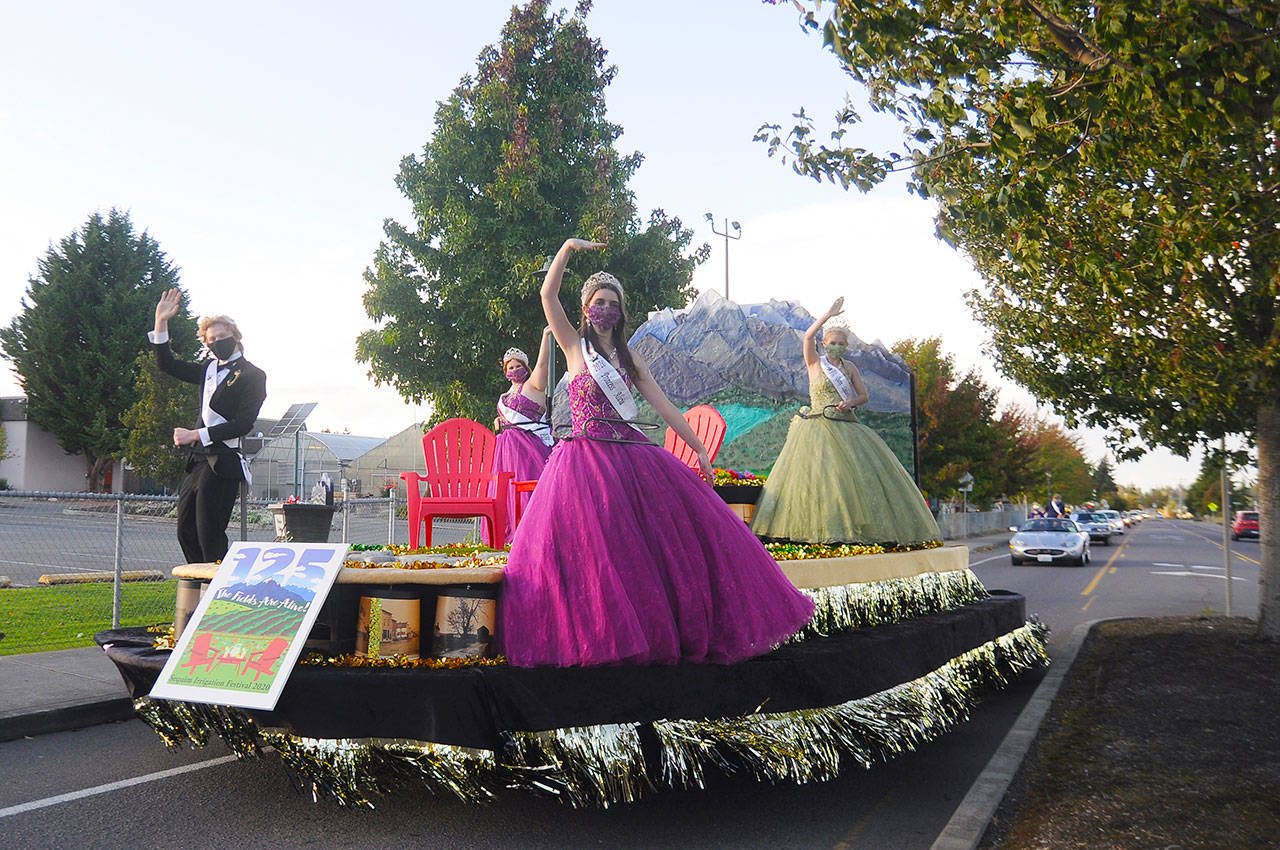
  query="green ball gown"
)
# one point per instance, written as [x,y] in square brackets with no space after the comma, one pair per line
[836,481]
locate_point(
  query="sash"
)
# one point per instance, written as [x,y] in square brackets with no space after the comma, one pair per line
[610,383]
[212,417]
[538,427]
[838,379]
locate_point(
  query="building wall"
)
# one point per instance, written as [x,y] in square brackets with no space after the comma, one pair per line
[37,462]
[380,467]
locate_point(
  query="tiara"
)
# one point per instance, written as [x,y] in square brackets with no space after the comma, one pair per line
[598,280]
[516,354]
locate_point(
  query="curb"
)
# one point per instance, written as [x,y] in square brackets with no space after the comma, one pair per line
[971,818]
[66,719]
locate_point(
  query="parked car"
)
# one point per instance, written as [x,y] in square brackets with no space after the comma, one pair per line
[1049,540]
[1245,525]
[1113,517]
[1095,525]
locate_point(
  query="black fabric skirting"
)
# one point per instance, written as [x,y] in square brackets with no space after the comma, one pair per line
[473,706]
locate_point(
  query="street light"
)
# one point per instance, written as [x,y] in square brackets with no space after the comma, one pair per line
[551,361]
[727,236]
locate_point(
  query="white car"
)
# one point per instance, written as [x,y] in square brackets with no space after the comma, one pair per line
[1113,517]
[1049,540]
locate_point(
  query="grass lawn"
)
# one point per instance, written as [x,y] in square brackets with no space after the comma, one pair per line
[38,619]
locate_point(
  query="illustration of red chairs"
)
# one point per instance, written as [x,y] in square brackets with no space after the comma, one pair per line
[262,660]
[203,654]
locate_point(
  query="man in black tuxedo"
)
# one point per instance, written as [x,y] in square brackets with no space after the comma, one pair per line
[232,392]
[1056,508]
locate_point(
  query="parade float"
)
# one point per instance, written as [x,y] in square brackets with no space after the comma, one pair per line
[370,670]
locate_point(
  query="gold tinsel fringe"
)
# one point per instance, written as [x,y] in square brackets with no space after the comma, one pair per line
[352,770]
[876,603]
[583,765]
[602,765]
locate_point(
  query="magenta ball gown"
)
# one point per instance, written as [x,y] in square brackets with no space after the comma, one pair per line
[626,556]
[519,452]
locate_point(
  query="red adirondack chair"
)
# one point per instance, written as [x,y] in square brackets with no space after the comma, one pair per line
[262,660]
[203,654]
[708,424]
[459,460]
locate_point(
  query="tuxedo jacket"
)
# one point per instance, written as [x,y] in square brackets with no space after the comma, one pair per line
[238,399]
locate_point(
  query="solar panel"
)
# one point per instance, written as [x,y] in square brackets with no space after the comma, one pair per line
[293,420]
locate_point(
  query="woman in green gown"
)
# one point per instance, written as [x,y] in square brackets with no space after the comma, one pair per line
[835,480]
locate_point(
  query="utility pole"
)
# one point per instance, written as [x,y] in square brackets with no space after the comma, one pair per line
[738,231]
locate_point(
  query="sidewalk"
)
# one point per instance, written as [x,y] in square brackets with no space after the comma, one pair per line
[44,692]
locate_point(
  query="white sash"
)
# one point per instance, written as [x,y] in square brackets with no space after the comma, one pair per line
[212,417]
[610,382]
[838,379]
[538,427]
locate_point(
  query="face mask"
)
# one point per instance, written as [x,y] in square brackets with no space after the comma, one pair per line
[222,348]
[517,374]
[835,349]
[604,316]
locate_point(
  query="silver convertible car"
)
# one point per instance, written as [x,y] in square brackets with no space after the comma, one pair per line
[1049,541]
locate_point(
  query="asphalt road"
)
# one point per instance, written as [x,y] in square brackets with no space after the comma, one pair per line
[122,789]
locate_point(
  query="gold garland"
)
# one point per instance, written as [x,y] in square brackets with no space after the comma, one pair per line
[876,603]
[400,662]
[601,765]
[473,561]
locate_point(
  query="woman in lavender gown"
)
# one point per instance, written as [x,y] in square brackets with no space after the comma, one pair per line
[524,434]
[625,556]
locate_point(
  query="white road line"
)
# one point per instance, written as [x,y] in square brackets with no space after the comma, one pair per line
[1197,575]
[112,786]
[992,558]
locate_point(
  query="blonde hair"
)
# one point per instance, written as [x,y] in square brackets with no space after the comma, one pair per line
[202,329]
[836,329]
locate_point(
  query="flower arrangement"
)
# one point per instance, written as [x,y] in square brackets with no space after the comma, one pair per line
[426,564]
[736,476]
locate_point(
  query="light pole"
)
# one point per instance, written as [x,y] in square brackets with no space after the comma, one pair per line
[727,236]
[551,360]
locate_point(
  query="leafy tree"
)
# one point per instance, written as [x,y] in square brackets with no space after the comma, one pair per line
[83,320]
[522,157]
[1111,169]
[959,431]
[1060,464]
[163,402]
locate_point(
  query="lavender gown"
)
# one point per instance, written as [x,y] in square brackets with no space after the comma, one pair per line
[518,451]
[626,556]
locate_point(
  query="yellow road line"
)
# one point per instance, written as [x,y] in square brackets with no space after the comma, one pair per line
[1087,604]
[1235,552]
[1098,577]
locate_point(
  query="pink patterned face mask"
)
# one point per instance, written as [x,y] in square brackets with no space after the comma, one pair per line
[517,374]
[604,316]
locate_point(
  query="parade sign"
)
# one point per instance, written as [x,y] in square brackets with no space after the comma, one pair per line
[249,628]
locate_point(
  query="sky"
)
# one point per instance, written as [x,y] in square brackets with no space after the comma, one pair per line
[259,143]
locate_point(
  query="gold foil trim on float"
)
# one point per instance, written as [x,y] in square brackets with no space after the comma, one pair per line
[877,603]
[352,770]
[602,765]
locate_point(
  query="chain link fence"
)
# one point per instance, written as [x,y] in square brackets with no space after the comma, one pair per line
[72,564]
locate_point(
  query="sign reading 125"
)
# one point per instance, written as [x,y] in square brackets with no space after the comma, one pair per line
[281,564]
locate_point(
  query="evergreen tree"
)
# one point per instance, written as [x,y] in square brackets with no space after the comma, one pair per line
[163,402]
[522,157]
[1104,485]
[75,340]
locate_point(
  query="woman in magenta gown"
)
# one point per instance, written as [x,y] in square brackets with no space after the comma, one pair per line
[625,555]
[524,434]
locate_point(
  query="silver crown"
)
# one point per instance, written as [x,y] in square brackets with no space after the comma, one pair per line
[515,354]
[597,280]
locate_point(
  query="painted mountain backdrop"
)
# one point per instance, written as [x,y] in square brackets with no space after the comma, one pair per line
[747,362]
